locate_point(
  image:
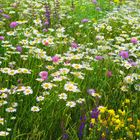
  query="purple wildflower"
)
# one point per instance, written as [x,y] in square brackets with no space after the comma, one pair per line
[48,15]
[65,136]
[46,22]
[134,40]
[43,75]
[124,54]
[95,113]
[132,62]
[94,1]
[1,11]
[74,45]
[6,16]
[1,37]
[82,126]
[98,57]
[84,20]
[19,48]
[55,59]
[13,24]
[91,91]
[109,74]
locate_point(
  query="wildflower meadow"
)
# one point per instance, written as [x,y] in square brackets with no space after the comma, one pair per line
[69,70]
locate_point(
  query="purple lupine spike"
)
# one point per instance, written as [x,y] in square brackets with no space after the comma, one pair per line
[95,113]
[82,126]
[6,16]
[65,136]
[48,15]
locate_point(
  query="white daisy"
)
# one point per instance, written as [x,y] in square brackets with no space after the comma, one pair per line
[71,104]
[39,98]
[47,85]
[3,133]
[71,87]
[63,96]
[28,91]
[35,109]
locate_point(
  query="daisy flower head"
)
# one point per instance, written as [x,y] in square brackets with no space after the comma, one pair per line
[35,109]
[77,66]
[28,91]
[71,104]
[2,121]
[64,70]
[69,86]
[45,42]
[128,79]
[39,98]
[10,109]
[4,133]
[80,101]
[63,96]
[47,85]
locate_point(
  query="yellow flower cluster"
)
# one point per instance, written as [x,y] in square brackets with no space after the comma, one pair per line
[119,1]
[116,121]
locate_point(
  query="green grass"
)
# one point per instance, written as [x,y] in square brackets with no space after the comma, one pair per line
[55,119]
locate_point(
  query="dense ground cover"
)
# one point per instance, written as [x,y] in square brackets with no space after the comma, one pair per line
[69,70]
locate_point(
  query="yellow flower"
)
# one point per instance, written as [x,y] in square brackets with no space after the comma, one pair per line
[111,112]
[127,101]
[121,112]
[116,128]
[117,121]
[93,121]
[132,126]
[105,123]
[129,119]
[103,135]
[117,116]
[102,109]
[117,1]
